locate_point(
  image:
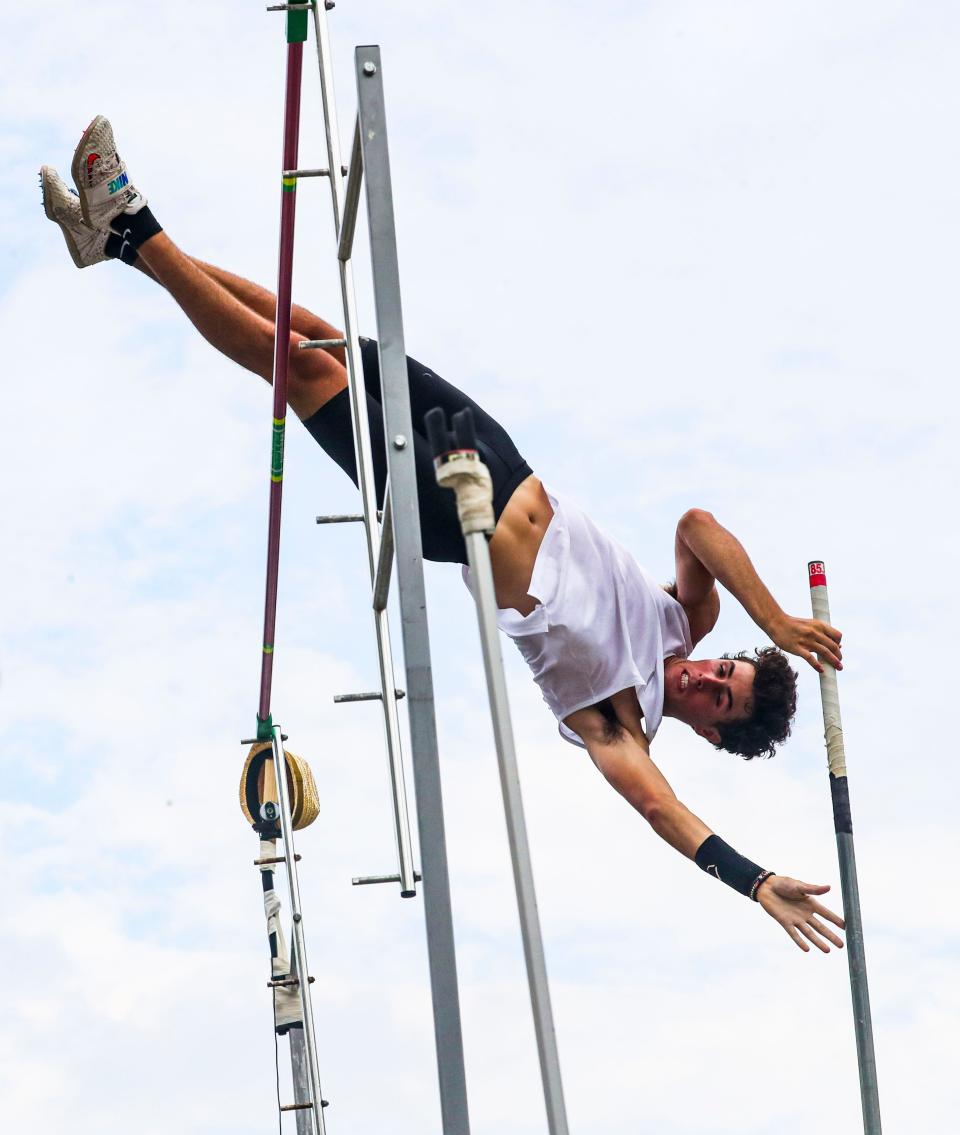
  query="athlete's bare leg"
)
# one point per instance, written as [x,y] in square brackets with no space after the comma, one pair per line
[264,303]
[241,331]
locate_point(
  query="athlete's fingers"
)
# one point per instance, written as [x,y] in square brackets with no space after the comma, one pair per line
[809,933]
[828,914]
[798,938]
[825,931]
[808,657]
[829,652]
[814,888]
[830,643]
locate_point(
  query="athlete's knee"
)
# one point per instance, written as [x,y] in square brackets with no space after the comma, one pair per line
[694,518]
[314,377]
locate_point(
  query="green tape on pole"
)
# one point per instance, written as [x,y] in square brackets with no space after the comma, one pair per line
[276,463]
[265,728]
[288,184]
[297,25]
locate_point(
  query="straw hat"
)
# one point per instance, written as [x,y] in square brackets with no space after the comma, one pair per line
[257,784]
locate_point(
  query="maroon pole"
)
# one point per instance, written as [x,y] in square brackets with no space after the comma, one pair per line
[281,359]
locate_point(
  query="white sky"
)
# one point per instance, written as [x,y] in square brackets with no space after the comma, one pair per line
[691,254]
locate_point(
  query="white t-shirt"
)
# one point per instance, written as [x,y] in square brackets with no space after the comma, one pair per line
[601,624]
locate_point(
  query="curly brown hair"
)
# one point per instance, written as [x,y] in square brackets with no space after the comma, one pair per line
[774,704]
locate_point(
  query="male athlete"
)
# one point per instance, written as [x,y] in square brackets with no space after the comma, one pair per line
[609,648]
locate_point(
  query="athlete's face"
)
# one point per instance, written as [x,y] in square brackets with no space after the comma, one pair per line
[708,693]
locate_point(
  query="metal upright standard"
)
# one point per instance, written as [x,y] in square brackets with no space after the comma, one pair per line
[460,468]
[843,825]
[392,536]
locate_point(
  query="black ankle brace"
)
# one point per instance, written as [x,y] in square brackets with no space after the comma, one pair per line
[135,228]
[119,249]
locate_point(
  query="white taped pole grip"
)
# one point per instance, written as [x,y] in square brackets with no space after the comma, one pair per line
[829,694]
[465,473]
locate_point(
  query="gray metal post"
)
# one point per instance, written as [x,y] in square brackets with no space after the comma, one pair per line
[409,571]
[843,825]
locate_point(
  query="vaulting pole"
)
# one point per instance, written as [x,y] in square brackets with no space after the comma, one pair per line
[843,825]
[296,35]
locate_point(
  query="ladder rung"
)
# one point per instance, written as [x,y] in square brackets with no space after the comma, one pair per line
[306,173]
[276,859]
[373,695]
[302,1106]
[320,344]
[341,518]
[368,880]
[285,981]
[312,172]
[344,518]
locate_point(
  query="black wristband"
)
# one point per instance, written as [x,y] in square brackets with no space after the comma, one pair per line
[720,860]
[758,883]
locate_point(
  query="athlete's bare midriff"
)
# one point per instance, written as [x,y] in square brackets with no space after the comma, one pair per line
[516,542]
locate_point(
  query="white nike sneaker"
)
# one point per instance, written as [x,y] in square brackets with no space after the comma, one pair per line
[101,177]
[62,205]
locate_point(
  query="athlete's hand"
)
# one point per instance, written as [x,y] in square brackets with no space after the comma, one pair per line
[804,636]
[791,903]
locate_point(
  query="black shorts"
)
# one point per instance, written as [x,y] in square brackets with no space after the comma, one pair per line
[332,428]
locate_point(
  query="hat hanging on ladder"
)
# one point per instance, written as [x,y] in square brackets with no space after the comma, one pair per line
[258,785]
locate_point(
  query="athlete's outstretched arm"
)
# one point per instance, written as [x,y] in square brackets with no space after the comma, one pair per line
[706,551]
[624,759]
[625,762]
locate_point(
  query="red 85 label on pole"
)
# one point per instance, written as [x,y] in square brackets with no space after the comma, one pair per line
[818,574]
